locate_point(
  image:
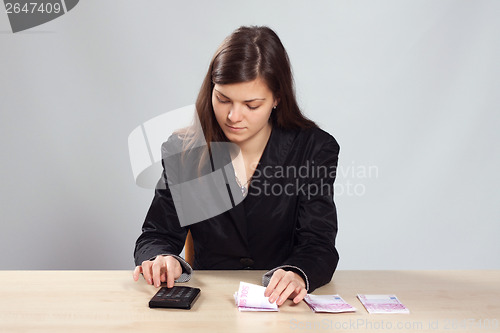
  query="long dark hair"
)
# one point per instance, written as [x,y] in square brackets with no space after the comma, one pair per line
[245,55]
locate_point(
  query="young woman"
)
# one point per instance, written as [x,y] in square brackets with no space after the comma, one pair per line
[284,167]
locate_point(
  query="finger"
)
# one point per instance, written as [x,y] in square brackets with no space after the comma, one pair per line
[300,296]
[287,292]
[137,272]
[282,285]
[170,273]
[158,268]
[275,279]
[178,269]
[278,291]
[146,271]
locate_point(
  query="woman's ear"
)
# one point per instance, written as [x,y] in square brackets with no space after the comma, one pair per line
[276,102]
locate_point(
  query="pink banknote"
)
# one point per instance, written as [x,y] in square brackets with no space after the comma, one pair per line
[250,297]
[328,303]
[382,304]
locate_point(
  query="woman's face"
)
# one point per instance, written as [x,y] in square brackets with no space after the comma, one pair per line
[243,110]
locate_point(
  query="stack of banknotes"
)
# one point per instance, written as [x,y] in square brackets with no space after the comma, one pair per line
[382,304]
[250,297]
[328,303]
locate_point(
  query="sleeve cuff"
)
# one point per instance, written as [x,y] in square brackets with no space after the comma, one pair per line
[267,276]
[187,271]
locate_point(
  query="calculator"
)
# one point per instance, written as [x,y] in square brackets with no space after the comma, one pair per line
[178,297]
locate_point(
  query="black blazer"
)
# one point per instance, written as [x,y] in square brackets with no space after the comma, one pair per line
[287,218]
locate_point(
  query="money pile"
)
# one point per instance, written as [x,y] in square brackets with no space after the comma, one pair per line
[250,297]
[328,303]
[382,304]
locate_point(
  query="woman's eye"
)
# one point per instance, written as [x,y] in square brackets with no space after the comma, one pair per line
[221,100]
[253,107]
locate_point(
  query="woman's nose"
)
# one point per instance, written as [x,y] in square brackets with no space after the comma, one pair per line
[235,114]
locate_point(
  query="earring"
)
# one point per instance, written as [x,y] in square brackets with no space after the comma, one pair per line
[274,108]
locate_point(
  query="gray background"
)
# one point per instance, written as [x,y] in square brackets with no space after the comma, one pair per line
[409,88]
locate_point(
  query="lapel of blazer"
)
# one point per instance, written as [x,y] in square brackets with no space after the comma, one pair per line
[237,213]
[221,161]
[278,147]
[275,152]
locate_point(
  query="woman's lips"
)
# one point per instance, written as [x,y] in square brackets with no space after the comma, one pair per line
[234,128]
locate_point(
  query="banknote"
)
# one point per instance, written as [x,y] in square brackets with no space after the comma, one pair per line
[250,297]
[328,303]
[382,304]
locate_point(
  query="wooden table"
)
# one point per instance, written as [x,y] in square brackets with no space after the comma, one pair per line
[110,301]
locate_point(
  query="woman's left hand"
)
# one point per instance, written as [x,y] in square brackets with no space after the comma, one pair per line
[285,284]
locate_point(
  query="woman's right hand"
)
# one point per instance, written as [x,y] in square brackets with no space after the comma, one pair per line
[162,269]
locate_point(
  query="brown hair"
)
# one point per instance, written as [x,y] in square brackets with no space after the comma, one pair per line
[245,55]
